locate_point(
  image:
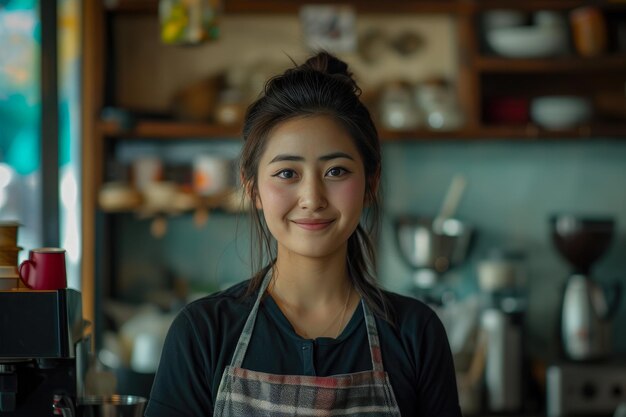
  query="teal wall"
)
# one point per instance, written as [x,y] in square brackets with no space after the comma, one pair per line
[513,187]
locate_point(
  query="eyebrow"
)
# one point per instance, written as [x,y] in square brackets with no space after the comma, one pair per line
[327,157]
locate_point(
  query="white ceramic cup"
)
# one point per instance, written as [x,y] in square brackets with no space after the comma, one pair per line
[211,174]
[146,171]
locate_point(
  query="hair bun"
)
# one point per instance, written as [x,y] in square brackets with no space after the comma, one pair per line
[327,63]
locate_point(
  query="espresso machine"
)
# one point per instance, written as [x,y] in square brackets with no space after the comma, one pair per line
[44,351]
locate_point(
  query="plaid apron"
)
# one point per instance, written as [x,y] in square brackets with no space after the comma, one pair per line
[243,392]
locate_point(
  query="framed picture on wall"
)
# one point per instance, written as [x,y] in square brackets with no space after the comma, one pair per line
[329,27]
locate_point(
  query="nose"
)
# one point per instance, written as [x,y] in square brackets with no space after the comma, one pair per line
[312,194]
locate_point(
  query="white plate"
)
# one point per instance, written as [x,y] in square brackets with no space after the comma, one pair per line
[8,272]
[528,41]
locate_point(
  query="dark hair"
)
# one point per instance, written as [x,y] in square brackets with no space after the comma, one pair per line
[323,85]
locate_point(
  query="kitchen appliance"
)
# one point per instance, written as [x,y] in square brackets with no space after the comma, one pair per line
[432,246]
[504,359]
[502,278]
[43,351]
[585,389]
[502,272]
[585,312]
[431,249]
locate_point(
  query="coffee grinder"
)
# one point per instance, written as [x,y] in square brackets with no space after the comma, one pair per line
[586,380]
[43,351]
[432,246]
[585,311]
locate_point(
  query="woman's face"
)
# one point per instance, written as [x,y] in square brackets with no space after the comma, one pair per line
[311,186]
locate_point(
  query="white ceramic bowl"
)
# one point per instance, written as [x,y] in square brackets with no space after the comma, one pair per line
[549,18]
[528,41]
[560,112]
[503,18]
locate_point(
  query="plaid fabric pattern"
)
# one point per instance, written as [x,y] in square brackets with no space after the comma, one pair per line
[248,393]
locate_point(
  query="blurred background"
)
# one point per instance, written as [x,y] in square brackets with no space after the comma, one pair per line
[504,170]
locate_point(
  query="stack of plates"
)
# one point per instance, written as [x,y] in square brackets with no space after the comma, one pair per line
[9,276]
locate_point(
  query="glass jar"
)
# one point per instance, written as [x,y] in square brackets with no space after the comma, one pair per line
[435,99]
[397,108]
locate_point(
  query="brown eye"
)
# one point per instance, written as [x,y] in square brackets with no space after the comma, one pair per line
[286,174]
[336,172]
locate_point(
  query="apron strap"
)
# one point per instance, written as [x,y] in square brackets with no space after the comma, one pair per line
[372,337]
[246,334]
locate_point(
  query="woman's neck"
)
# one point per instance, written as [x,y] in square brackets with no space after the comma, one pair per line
[314,294]
[309,283]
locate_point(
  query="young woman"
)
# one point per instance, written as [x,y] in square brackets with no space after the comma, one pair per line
[311,334]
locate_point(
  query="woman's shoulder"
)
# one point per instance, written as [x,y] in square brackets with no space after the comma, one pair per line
[416,324]
[408,308]
[231,301]
[413,317]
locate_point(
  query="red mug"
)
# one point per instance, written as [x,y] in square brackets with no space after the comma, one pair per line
[44,269]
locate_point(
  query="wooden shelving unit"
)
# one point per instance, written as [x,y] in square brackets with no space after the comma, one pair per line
[479,74]
[474,70]
[485,76]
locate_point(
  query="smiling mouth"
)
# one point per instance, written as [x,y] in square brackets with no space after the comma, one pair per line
[313,224]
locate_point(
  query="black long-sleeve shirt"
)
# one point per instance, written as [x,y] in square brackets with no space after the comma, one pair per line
[202,340]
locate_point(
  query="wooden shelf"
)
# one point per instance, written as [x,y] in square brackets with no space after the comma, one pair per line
[373,6]
[528,132]
[534,132]
[157,129]
[363,6]
[565,64]
[529,5]
[173,130]
[419,135]
[133,6]
[123,198]
[293,6]
[533,5]
[177,130]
